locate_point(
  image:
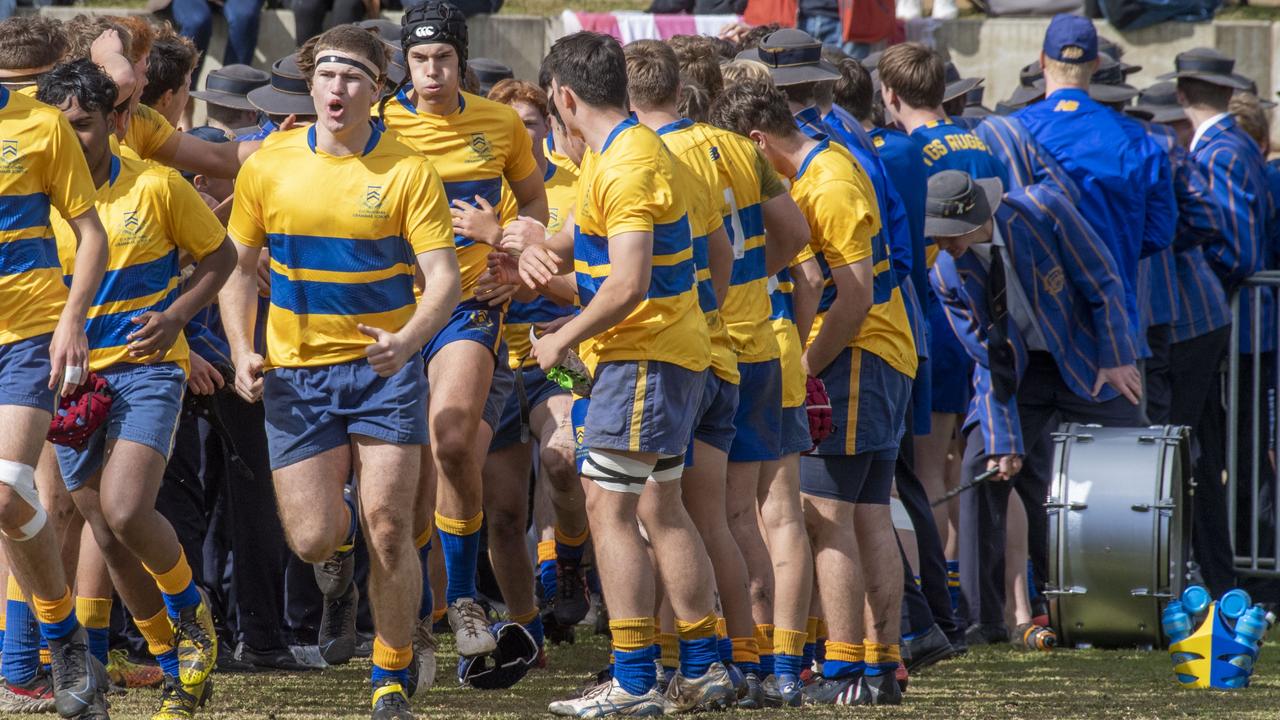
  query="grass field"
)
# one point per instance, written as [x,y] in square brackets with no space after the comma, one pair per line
[988,683]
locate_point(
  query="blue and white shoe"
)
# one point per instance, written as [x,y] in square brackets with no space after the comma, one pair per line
[789,690]
[841,691]
[610,699]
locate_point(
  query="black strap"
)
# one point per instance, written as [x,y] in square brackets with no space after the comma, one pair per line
[523,397]
[1000,360]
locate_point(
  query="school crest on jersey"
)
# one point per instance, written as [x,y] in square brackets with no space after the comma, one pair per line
[10,155]
[132,224]
[480,146]
[370,205]
[1054,281]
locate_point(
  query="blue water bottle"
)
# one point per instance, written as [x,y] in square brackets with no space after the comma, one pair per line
[1234,604]
[1176,622]
[1252,627]
[1195,600]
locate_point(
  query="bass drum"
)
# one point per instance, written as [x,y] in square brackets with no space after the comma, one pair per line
[1119,511]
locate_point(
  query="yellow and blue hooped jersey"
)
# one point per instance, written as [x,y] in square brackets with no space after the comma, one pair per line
[837,199]
[41,168]
[782,319]
[343,242]
[474,149]
[151,215]
[629,186]
[744,179]
[561,181]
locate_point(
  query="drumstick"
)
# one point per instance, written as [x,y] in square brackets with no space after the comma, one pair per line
[966,486]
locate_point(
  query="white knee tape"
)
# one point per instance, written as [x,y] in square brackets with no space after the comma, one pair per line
[616,472]
[668,468]
[22,478]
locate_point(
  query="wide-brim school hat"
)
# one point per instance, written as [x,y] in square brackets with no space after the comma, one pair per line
[1208,65]
[287,94]
[793,57]
[958,203]
[1159,103]
[229,86]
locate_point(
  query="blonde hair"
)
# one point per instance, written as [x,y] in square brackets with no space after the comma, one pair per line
[1073,74]
[738,72]
[1251,117]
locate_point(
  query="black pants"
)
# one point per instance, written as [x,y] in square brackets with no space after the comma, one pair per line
[309,15]
[1158,376]
[932,558]
[1044,400]
[1197,403]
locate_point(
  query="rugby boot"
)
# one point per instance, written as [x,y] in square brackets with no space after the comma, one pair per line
[390,702]
[196,641]
[422,671]
[129,674]
[926,649]
[712,691]
[608,699]
[753,698]
[789,690]
[573,599]
[882,689]
[840,691]
[35,696]
[471,628]
[80,682]
[337,634]
[180,703]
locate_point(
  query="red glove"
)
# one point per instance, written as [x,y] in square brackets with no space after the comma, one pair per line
[81,413]
[818,403]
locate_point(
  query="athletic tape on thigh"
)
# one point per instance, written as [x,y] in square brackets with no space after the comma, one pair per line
[22,478]
[616,472]
[901,520]
[668,468]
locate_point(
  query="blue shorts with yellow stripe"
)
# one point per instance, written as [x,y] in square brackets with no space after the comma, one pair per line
[313,409]
[795,437]
[501,387]
[716,413]
[642,406]
[759,418]
[24,374]
[868,404]
[537,389]
[472,320]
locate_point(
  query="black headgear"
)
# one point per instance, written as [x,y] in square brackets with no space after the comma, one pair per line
[435,22]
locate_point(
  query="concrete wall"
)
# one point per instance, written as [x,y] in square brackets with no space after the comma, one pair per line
[994,48]
[997,48]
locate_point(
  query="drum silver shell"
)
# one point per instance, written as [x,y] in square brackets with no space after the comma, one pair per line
[1119,532]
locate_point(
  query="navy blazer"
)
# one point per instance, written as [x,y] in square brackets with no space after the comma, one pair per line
[1076,295]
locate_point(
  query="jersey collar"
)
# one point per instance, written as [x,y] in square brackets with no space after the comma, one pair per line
[939,123]
[403,97]
[630,122]
[823,144]
[680,124]
[4,96]
[374,136]
[551,171]
[114,172]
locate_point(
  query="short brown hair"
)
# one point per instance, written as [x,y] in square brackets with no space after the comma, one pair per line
[169,66]
[694,102]
[746,107]
[751,40]
[853,90]
[699,63]
[653,73]
[915,73]
[1205,94]
[82,30]
[1251,117]
[345,38]
[31,41]
[509,91]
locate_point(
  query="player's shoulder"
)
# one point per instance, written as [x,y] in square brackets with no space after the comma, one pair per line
[279,144]
[25,108]
[480,108]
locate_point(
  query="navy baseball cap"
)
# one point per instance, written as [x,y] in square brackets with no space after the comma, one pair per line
[1071,39]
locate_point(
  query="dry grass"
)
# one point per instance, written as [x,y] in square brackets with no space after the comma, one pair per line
[988,683]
